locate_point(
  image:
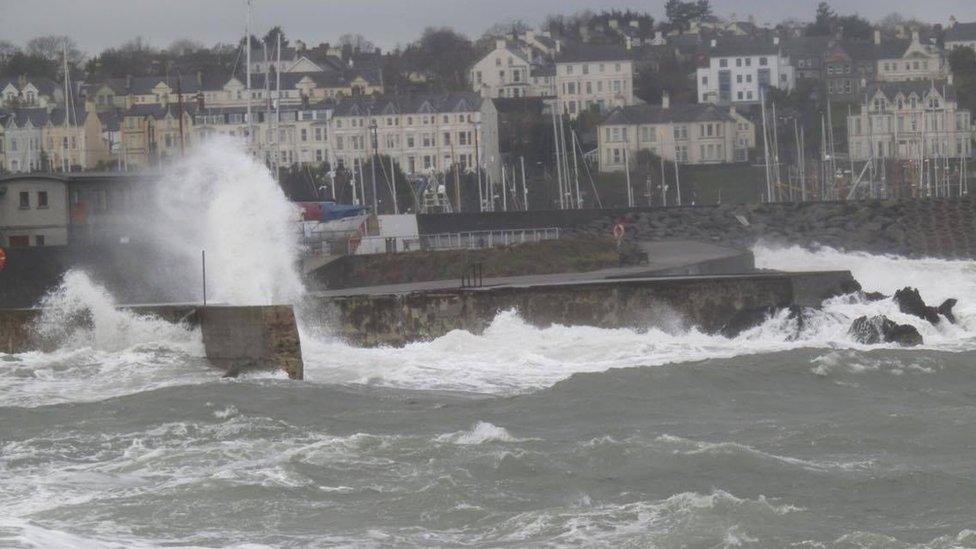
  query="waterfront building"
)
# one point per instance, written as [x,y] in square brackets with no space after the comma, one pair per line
[593,77]
[902,60]
[688,134]
[424,133]
[740,68]
[909,121]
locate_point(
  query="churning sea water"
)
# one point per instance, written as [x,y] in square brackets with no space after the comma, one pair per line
[517,437]
[563,436]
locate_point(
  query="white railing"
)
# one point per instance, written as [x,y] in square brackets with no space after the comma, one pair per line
[486,239]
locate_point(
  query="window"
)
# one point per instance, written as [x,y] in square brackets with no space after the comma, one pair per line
[762,61]
[586,69]
[304,134]
[24,200]
[748,61]
[704,80]
[42,199]
[738,79]
[39,240]
[723,63]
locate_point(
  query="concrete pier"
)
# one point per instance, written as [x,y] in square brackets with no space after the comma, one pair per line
[709,302]
[235,338]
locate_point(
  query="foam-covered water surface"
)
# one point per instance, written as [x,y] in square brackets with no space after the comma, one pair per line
[785,436]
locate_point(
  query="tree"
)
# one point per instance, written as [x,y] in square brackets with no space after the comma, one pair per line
[823,24]
[23,64]
[444,53]
[357,43]
[183,46]
[681,14]
[52,47]
[962,61]
[271,38]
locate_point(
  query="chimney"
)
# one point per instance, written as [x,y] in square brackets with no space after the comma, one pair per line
[200,78]
[665,99]
[914,35]
[500,44]
[200,102]
[714,42]
[776,40]
[877,37]
[559,46]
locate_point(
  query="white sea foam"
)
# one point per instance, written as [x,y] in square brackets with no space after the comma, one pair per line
[480,433]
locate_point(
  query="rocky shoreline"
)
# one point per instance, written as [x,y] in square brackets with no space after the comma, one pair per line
[923,228]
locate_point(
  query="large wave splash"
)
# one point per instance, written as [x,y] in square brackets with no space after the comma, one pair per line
[219,199]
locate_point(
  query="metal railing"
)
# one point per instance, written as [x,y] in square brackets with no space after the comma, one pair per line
[486,239]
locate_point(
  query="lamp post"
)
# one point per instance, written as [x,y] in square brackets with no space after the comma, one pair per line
[372,161]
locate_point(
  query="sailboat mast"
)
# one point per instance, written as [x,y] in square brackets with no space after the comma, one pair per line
[277,100]
[247,84]
[67,99]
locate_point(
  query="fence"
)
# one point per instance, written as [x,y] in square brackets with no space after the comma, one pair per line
[486,239]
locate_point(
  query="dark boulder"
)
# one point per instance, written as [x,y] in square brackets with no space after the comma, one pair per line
[946,309]
[910,302]
[874,296]
[746,319]
[880,329]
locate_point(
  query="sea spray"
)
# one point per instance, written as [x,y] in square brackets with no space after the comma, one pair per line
[221,200]
[80,313]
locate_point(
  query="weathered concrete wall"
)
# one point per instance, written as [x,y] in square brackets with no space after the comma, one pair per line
[707,302]
[235,338]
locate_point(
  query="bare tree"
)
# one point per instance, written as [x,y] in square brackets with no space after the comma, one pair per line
[51,47]
[183,46]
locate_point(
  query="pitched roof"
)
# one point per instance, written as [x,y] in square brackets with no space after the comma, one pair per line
[45,86]
[37,116]
[918,87]
[412,103]
[158,111]
[655,114]
[961,31]
[729,46]
[581,53]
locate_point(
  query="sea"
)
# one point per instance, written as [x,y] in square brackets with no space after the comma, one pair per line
[520,436]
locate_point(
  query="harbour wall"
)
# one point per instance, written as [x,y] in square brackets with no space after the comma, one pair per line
[713,303]
[235,339]
[944,228]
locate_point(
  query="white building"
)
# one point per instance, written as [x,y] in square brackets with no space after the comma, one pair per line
[519,66]
[909,120]
[740,68]
[904,60]
[22,139]
[30,92]
[423,133]
[592,77]
[960,35]
[33,211]
[690,134]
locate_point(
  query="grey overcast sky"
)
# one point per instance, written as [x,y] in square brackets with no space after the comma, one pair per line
[97,24]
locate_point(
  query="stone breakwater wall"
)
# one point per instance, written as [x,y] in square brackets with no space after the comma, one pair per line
[235,339]
[712,303]
[913,228]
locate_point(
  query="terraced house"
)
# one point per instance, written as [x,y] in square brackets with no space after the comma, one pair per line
[593,77]
[517,67]
[423,133]
[739,69]
[687,134]
[909,121]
